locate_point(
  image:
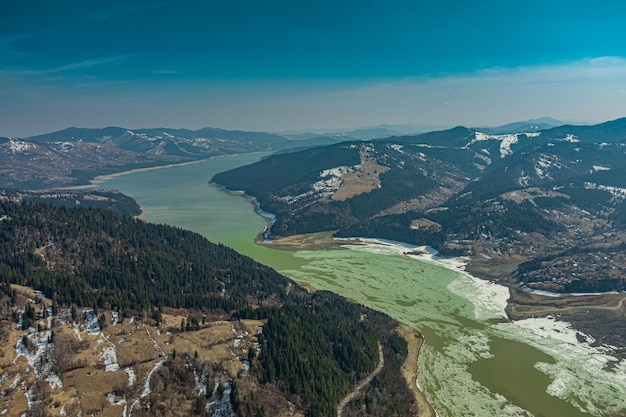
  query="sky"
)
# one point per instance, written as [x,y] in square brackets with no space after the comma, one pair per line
[278,65]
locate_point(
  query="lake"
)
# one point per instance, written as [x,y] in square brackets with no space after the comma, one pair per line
[469,365]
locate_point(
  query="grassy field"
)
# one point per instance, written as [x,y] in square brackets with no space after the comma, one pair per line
[67,367]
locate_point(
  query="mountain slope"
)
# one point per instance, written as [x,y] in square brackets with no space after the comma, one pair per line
[84,257]
[342,185]
[498,198]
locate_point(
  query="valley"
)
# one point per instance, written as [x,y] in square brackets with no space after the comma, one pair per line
[386,279]
[75,156]
[541,216]
[312,209]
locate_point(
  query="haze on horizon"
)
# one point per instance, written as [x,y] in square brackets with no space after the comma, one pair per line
[283,65]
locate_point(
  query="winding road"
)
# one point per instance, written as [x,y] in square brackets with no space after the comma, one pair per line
[363,382]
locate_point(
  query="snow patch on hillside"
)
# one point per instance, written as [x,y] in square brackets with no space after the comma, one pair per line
[19,146]
[116,399]
[506,141]
[132,377]
[523,179]
[545,163]
[617,192]
[36,347]
[331,180]
[109,358]
[65,146]
[397,148]
[91,322]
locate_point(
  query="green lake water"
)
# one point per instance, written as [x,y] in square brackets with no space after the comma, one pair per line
[468,366]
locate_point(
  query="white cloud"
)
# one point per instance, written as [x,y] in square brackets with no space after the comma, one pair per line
[585,90]
[21,76]
[582,70]
[164,72]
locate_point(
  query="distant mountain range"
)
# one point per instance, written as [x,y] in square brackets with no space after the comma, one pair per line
[386,130]
[73,156]
[533,125]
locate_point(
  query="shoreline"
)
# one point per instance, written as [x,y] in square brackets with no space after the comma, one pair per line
[94,182]
[106,177]
[410,368]
[412,336]
[143,215]
[514,302]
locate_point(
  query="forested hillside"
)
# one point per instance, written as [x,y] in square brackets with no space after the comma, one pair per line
[300,188]
[311,349]
[500,199]
[97,258]
[104,199]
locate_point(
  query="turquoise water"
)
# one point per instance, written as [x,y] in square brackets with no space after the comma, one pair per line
[181,196]
[468,367]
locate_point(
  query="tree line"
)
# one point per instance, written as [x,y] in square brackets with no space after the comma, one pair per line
[98,258]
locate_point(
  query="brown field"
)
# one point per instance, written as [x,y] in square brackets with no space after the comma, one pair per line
[524,305]
[138,347]
[308,241]
[531,193]
[361,178]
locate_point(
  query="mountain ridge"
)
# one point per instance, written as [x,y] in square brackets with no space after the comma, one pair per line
[75,155]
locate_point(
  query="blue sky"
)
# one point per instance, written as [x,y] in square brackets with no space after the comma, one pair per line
[288,64]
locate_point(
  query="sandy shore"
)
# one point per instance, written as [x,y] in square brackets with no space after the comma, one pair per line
[143,215]
[410,369]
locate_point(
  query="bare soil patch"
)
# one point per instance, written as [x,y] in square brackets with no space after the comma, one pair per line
[308,241]
[524,305]
[414,340]
[529,194]
[361,178]
[103,372]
